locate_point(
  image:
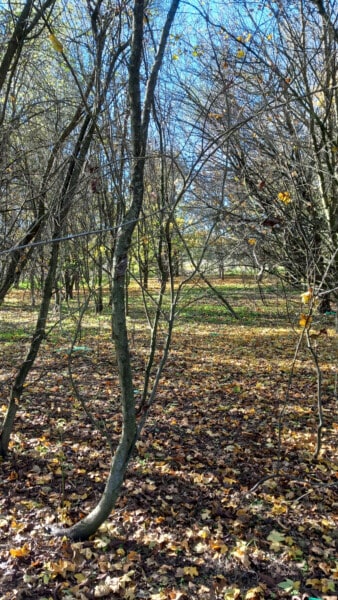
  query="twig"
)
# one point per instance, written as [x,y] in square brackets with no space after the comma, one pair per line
[319,395]
[287,396]
[259,483]
[95,422]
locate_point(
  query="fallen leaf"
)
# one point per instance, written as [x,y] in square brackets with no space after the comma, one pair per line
[276,538]
[191,571]
[20,552]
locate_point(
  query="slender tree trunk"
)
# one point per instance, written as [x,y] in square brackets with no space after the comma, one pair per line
[39,334]
[19,258]
[99,291]
[22,253]
[139,132]
[67,196]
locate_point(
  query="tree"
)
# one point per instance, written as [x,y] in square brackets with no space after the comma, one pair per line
[140,118]
[24,24]
[61,208]
[279,72]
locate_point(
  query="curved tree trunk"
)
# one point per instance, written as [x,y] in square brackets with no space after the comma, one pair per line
[139,132]
[90,524]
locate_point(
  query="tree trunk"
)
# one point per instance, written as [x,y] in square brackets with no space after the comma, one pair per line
[90,524]
[22,253]
[139,132]
[67,195]
[39,334]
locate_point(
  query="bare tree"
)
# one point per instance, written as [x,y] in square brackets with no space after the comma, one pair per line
[61,209]
[140,117]
[280,192]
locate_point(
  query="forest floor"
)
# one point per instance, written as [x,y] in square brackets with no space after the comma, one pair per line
[223,498]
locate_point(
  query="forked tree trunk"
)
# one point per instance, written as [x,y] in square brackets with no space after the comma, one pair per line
[139,132]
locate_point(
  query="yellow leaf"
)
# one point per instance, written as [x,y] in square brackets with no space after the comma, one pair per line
[175,57]
[240,54]
[327,585]
[241,552]
[126,578]
[307,296]
[305,320]
[315,583]
[289,585]
[252,241]
[214,116]
[61,567]
[192,571]
[205,532]
[20,552]
[269,36]
[256,593]
[232,594]
[275,538]
[129,594]
[328,539]
[55,43]
[278,508]
[284,197]
[295,552]
[218,545]
[229,480]
[132,556]
[325,567]
[334,572]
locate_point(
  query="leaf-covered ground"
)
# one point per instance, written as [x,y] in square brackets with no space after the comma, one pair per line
[203,514]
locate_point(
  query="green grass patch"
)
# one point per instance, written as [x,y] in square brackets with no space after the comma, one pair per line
[14,335]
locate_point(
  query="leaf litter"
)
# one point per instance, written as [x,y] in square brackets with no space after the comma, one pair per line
[203,512]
